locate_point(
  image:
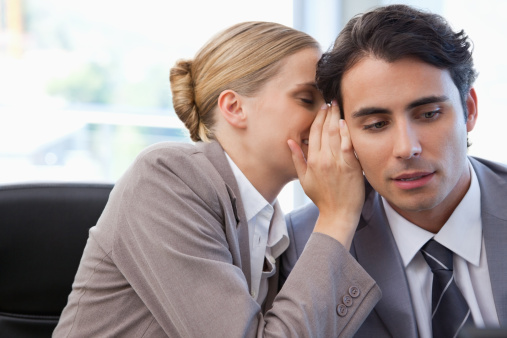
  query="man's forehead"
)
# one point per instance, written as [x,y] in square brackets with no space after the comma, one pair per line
[378,83]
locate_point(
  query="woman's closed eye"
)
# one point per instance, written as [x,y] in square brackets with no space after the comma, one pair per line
[307,100]
[310,97]
[312,101]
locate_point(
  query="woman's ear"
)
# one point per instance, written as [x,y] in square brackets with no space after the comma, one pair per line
[230,105]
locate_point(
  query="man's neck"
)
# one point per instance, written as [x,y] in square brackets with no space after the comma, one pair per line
[430,220]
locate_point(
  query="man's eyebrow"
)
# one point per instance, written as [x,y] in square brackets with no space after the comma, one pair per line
[370,111]
[427,100]
[419,102]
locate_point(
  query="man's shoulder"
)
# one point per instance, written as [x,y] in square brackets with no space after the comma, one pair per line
[308,213]
[489,163]
[488,168]
[492,177]
[305,215]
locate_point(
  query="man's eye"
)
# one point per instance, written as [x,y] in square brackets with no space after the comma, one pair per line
[431,114]
[376,125]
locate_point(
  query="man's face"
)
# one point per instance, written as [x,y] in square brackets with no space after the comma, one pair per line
[409,132]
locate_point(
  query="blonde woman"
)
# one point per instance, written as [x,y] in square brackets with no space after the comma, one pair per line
[189,242]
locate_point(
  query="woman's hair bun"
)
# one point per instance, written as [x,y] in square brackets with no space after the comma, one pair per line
[183,94]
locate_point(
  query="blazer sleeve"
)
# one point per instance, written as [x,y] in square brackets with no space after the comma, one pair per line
[170,244]
[327,294]
[300,224]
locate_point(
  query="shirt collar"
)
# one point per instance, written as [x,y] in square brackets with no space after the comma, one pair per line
[278,238]
[462,233]
[256,202]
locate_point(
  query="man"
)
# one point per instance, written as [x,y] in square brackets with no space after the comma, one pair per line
[404,83]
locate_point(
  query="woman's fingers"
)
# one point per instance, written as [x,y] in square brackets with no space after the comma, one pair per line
[334,131]
[332,176]
[326,128]
[316,131]
[314,146]
[347,148]
[298,159]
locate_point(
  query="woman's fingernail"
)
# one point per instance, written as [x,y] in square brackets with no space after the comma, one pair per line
[290,145]
[334,103]
[324,106]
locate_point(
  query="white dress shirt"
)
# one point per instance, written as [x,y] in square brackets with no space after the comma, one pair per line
[462,234]
[267,233]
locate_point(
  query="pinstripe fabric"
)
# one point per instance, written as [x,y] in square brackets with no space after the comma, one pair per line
[450,311]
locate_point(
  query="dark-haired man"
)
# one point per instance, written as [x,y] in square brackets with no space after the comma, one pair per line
[404,83]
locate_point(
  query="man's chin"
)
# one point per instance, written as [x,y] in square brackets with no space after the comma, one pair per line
[414,204]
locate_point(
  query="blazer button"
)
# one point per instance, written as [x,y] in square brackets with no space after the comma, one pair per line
[341,310]
[354,291]
[347,300]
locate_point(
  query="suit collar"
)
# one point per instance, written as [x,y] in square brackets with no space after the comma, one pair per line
[375,249]
[493,182]
[216,155]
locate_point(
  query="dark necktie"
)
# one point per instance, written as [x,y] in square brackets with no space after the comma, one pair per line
[450,311]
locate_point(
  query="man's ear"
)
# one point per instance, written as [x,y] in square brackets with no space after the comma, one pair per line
[230,105]
[471,103]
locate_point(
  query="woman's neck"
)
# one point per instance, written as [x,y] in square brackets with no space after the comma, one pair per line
[264,180]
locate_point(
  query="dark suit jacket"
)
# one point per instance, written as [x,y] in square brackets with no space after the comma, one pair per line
[375,249]
[170,257]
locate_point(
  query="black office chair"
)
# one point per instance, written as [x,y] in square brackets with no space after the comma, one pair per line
[43,231]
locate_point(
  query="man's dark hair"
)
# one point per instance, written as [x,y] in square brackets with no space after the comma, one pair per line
[394,32]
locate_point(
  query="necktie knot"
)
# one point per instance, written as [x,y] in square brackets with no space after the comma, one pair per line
[437,256]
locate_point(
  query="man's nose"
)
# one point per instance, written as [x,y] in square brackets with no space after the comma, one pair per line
[406,143]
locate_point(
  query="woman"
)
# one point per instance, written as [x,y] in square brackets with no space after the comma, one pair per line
[187,245]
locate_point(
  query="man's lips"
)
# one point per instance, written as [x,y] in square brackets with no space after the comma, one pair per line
[412,176]
[413,180]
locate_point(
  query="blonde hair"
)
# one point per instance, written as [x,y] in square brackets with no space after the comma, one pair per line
[241,58]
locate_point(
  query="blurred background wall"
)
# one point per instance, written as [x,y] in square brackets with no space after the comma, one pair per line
[84,83]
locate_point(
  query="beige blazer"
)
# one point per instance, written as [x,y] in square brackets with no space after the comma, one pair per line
[169,257]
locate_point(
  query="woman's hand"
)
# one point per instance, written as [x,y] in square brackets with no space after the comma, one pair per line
[331,176]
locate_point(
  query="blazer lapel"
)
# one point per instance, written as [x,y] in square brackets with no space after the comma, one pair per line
[216,155]
[494,228]
[273,287]
[376,250]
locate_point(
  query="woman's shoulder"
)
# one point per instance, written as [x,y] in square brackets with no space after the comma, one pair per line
[165,148]
[167,158]
[169,155]
[169,161]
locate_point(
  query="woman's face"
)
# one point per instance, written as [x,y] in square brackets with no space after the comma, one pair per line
[284,109]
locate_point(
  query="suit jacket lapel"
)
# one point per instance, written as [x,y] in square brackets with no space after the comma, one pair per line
[273,287]
[375,249]
[494,227]
[216,155]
